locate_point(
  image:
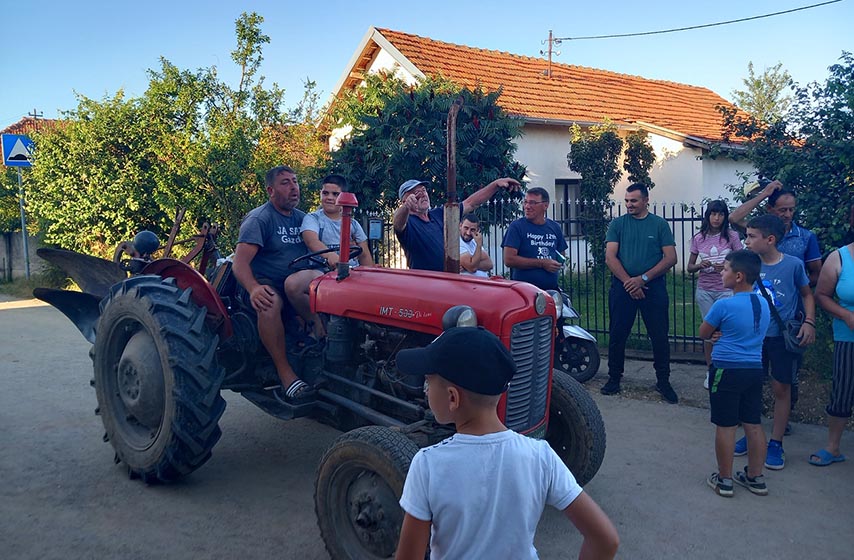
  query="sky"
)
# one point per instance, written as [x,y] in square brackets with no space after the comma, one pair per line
[55,50]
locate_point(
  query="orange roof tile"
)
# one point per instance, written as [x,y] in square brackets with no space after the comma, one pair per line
[28,125]
[573,93]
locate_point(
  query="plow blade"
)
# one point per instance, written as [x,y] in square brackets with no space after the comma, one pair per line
[94,275]
[81,308]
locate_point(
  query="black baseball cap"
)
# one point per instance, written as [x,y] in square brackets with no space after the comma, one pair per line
[471,357]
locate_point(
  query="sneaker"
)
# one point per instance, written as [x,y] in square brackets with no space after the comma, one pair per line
[721,486]
[741,447]
[775,459]
[666,391]
[612,387]
[755,485]
[706,382]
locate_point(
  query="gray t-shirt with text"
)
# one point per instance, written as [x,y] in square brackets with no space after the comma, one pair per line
[278,237]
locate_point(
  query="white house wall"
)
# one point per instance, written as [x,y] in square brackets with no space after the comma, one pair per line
[718,173]
[542,149]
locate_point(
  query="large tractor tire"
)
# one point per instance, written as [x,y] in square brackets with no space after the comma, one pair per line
[579,358]
[576,431]
[157,378]
[359,482]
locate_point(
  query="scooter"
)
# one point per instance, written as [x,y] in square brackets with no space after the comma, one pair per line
[576,351]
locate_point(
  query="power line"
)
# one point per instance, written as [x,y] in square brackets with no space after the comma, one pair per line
[558,39]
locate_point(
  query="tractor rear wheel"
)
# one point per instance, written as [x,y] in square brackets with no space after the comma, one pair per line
[157,379]
[576,431]
[359,482]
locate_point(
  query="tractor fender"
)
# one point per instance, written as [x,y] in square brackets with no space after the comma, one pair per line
[203,294]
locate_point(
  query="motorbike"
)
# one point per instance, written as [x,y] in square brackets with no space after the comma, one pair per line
[576,350]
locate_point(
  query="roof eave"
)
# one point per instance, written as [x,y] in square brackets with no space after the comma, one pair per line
[688,139]
[372,35]
[569,122]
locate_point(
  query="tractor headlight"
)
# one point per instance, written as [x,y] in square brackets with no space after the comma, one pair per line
[459,316]
[540,303]
[558,299]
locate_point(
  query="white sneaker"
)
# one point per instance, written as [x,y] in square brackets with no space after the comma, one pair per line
[706,382]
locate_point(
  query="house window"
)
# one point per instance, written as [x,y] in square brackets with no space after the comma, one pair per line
[567,205]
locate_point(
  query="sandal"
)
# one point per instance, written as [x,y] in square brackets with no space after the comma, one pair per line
[823,458]
[297,392]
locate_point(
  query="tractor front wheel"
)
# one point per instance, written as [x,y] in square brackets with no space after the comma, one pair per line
[157,379]
[576,431]
[359,482]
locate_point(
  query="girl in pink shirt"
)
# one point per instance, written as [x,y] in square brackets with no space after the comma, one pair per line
[709,248]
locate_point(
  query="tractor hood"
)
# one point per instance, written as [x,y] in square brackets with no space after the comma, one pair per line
[416,300]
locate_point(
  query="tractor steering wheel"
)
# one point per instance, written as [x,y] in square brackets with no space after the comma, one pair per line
[355,251]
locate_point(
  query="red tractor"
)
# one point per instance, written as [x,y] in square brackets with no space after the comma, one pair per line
[166,340]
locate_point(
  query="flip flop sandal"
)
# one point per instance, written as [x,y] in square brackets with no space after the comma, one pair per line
[823,458]
[297,392]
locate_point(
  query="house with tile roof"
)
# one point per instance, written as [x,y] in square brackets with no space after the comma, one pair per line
[681,120]
[29,125]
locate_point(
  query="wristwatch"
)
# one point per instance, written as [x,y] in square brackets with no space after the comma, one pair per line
[645,278]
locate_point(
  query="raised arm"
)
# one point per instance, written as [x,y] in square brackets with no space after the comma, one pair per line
[401,215]
[740,214]
[485,193]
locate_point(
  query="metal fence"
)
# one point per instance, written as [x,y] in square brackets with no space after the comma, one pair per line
[586,284]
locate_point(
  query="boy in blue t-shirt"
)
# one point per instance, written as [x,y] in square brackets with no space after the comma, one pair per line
[786,282]
[737,327]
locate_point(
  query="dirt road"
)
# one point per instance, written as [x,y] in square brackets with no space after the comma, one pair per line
[62,496]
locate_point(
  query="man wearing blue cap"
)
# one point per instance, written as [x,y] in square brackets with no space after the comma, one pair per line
[420,230]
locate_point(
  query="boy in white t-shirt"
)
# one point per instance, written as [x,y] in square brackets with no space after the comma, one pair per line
[481,492]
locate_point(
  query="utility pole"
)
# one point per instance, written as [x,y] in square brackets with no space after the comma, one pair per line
[36,115]
[552,42]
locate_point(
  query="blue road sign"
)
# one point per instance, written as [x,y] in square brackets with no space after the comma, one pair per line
[17,150]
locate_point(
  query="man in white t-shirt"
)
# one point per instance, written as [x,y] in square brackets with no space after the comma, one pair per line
[474,261]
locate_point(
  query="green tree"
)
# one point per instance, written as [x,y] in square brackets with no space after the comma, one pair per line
[594,154]
[764,95]
[10,216]
[192,140]
[639,158]
[400,133]
[811,150]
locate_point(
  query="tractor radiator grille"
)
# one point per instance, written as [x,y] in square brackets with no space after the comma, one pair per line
[531,347]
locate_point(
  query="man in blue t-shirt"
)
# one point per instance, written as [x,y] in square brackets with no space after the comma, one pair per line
[797,241]
[534,245]
[420,230]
